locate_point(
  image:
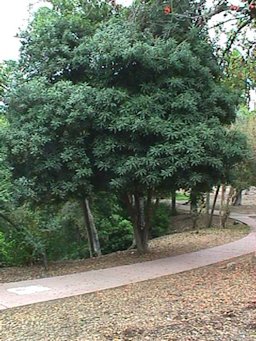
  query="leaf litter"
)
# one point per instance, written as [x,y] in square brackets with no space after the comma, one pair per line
[208,304]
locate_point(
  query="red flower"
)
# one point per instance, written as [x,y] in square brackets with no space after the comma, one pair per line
[234,8]
[252,6]
[167,9]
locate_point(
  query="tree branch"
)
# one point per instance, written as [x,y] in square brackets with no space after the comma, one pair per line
[8,221]
[232,39]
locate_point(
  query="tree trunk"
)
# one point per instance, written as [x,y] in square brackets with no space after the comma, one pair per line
[238,198]
[213,207]
[141,214]
[222,203]
[207,205]
[157,201]
[91,231]
[173,207]
[45,260]
[128,200]
[141,225]
[193,208]
[225,211]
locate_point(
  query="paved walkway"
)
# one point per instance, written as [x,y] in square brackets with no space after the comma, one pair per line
[32,291]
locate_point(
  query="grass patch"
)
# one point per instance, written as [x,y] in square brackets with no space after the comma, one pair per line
[181,196]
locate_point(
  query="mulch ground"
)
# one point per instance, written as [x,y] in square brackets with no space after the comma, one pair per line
[185,240]
[208,304]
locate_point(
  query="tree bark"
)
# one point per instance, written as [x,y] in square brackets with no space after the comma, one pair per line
[128,200]
[157,201]
[142,222]
[213,207]
[173,207]
[91,230]
[45,260]
[222,203]
[224,213]
[140,211]
[149,212]
[193,208]
[238,198]
[207,205]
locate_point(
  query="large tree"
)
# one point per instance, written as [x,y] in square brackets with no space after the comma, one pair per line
[129,97]
[161,117]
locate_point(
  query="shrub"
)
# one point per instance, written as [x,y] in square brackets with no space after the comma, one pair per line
[115,229]
[5,250]
[58,232]
[46,232]
[115,233]
[161,221]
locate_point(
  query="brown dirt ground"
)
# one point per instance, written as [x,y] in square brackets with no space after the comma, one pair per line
[216,303]
[186,240]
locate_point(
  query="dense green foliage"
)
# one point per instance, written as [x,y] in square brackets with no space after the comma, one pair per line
[5,183]
[114,226]
[161,221]
[6,249]
[244,174]
[112,99]
[57,232]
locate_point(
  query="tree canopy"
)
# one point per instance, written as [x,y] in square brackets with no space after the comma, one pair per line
[118,96]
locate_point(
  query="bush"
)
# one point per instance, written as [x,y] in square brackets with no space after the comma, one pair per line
[5,251]
[114,228]
[115,233]
[50,232]
[67,239]
[161,221]
[58,232]
[26,247]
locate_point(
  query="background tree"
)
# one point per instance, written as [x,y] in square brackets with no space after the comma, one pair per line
[5,174]
[244,175]
[240,74]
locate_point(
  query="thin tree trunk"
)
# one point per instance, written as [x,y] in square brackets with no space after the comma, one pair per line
[87,230]
[173,207]
[238,198]
[207,208]
[45,260]
[128,199]
[226,209]
[207,205]
[95,236]
[213,206]
[222,204]
[193,202]
[149,212]
[141,227]
[193,208]
[157,201]
[91,231]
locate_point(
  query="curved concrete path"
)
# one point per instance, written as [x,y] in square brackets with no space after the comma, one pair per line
[32,291]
